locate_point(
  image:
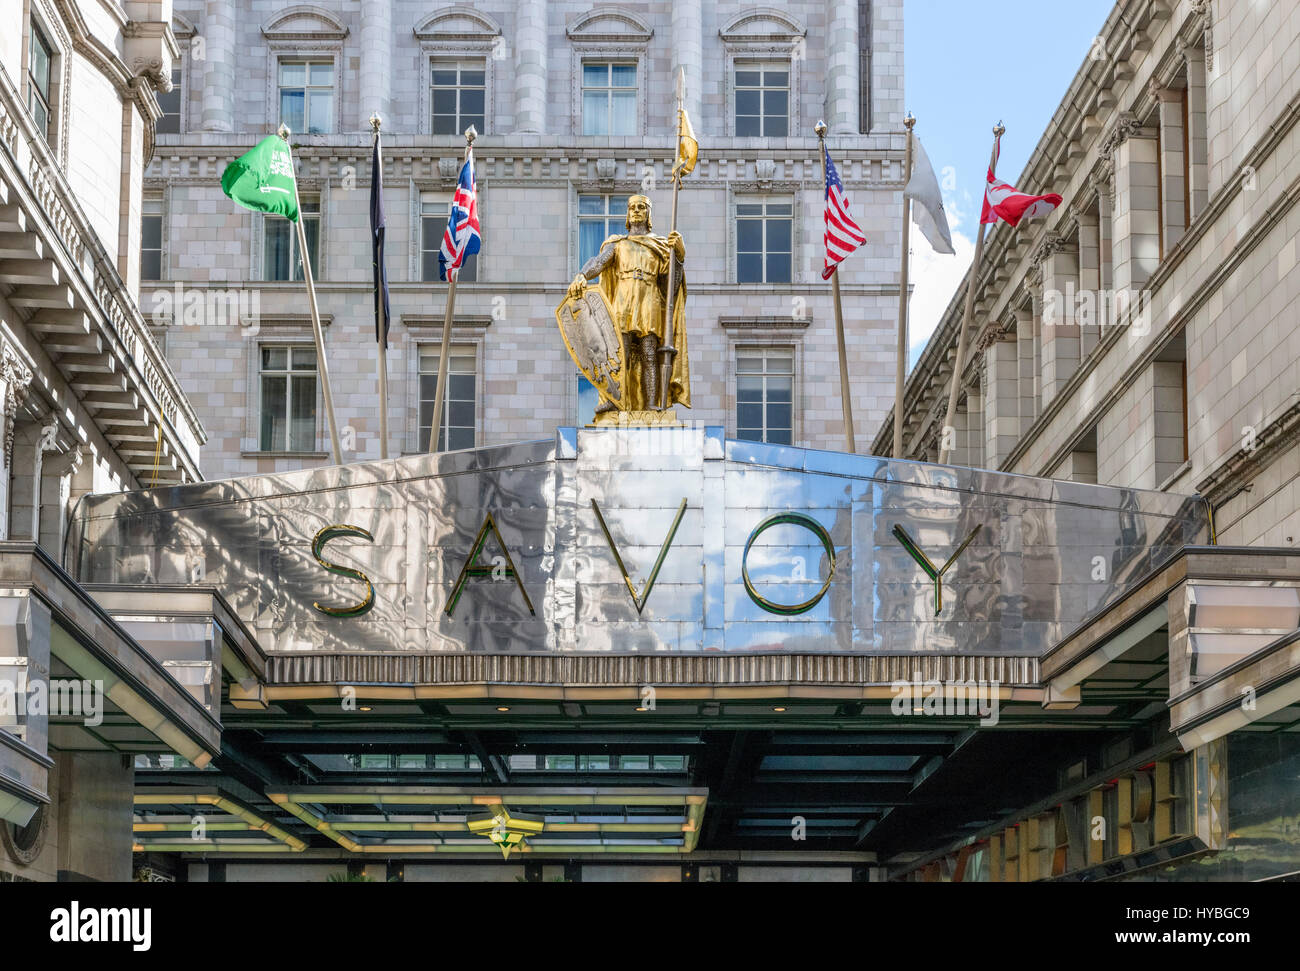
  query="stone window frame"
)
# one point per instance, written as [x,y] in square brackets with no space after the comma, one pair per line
[54,30]
[185,33]
[632,45]
[467,331]
[737,193]
[317,44]
[156,191]
[461,44]
[292,330]
[257,223]
[766,334]
[785,44]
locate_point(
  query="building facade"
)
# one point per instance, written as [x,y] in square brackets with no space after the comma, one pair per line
[575,110]
[90,405]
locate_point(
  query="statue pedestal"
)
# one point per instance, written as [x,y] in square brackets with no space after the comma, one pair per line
[638,419]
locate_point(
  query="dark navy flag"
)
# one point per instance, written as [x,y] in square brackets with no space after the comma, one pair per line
[377,244]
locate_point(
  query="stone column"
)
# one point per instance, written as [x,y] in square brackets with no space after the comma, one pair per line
[1090,296]
[1135,243]
[530,67]
[1105,254]
[1028,371]
[1002,403]
[15,379]
[975,428]
[1173,188]
[1060,264]
[376,62]
[1197,141]
[219,71]
[843,87]
[688,53]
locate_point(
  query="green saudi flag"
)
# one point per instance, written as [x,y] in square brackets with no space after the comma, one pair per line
[262,179]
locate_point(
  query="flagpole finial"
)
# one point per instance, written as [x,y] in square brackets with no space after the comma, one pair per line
[998,130]
[470,135]
[375,122]
[283,131]
[909,121]
[820,128]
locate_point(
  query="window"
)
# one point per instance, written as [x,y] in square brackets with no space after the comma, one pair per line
[765,395]
[608,98]
[281,257]
[38,80]
[170,122]
[599,217]
[434,208]
[458,97]
[151,232]
[288,398]
[307,96]
[588,399]
[763,100]
[458,427]
[764,236]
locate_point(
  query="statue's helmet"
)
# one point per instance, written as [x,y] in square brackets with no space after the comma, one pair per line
[649,207]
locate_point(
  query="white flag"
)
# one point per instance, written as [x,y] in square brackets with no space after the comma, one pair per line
[923,189]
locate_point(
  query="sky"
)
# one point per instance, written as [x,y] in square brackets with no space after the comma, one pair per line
[968,65]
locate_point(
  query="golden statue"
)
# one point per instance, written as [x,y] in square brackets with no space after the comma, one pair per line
[618,332]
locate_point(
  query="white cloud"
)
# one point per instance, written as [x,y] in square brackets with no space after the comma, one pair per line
[935,279]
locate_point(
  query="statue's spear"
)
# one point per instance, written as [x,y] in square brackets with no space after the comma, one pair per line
[687,153]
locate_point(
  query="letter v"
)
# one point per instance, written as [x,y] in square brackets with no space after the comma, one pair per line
[640,601]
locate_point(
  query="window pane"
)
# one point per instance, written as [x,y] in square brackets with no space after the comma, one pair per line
[304,359]
[749,416]
[749,364]
[303,404]
[595,74]
[459,438]
[291,73]
[444,101]
[778,236]
[445,125]
[276,246]
[749,388]
[321,112]
[623,109]
[775,126]
[779,209]
[750,78]
[322,74]
[780,436]
[747,102]
[779,389]
[459,386]
[749,209]
[151,265]
[460,414]
[624,75]
[775,102]
[749,268]
[590,235]
[776,79]
[151,232]
[291,109]
[748,126]
[273,411]
[749,434]
[778,415]
[591,204]
[311,229]
[749,236]
[472,78]
[595,113]
[471,102]
[588,399]
[778,268]
[275,358]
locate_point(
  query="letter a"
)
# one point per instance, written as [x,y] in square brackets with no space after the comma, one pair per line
[496,571]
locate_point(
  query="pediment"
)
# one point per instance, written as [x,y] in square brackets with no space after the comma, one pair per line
[457,21]
[762,24]
[304,22]
[609,24]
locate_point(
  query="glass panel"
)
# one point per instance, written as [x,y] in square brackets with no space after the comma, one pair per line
[779,208]
[273,412]
[472,78]
[780,364]
[779,436]
[749,388]
[303,412]
[291,73]
[292,105]
[749,434]
[775,102]
[445,125]
[776,126]
[749,268]
[749,209]
[444,101]
[276,247]
[311,229]
[595,113]
[779,389]
[624,75]
[749,235]
[445,78]
[471,102]
[778,268]
[588,205]
[746,78]
[322,74]
[275,358]
[590,235]
[747,103]
[151,265]
[321,112]
[304,359]
[458,438]
[459,386]
[778,236]
[170,103]
[460,414]
[634,762]
[747,363]
[595,74]
[776,79]
[778,415]
[461,364]
[749,416]
[623,111]
[588,399]
[151,232]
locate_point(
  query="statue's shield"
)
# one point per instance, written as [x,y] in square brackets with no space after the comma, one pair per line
[587,326]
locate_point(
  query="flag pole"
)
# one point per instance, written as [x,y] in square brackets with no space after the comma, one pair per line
[667,351]
[900,371]
[470,135]
[322,365]
[960,364]
[375,122]
[845,400]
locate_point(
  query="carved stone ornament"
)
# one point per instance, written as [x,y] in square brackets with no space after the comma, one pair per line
[17,377]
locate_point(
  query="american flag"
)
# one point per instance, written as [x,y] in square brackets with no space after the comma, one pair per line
[843,235]
[462,236]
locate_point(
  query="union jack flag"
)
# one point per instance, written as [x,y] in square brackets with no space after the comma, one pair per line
[842,235]
[462,236]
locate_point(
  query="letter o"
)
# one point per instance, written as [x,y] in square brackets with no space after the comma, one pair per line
[792,519]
